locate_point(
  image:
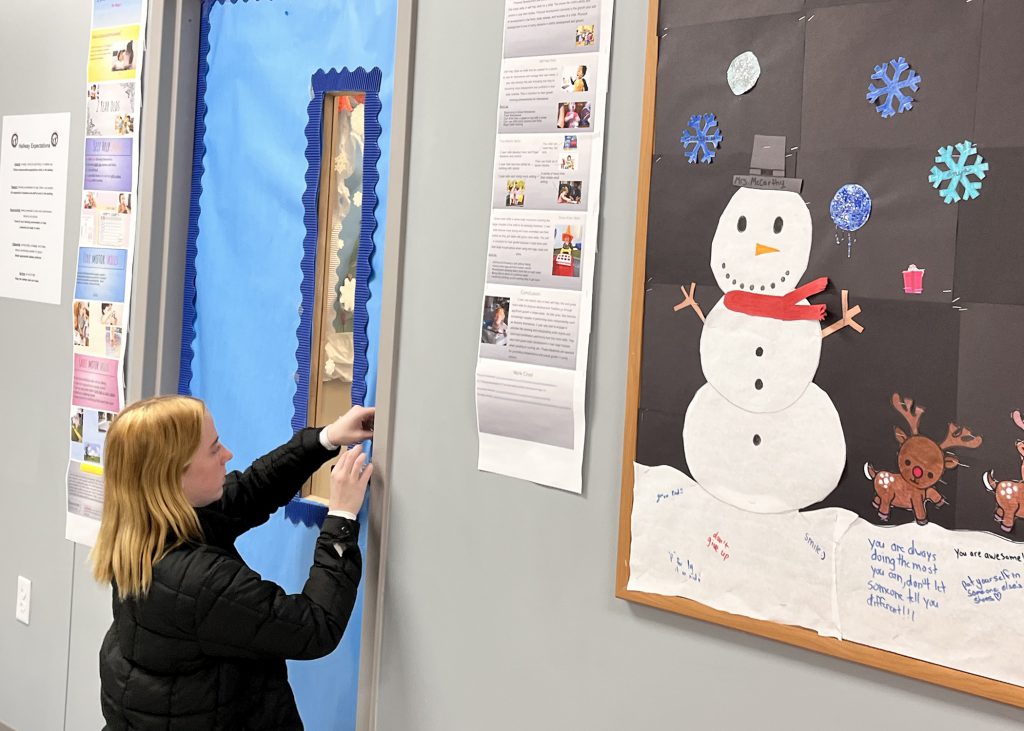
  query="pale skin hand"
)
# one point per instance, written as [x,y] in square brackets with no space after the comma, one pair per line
[352,427]
[348,481]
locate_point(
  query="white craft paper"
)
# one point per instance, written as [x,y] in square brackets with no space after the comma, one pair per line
[758,363]
[765,463]
[773,567]
[954,598]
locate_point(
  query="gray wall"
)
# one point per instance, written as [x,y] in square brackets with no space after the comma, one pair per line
[43,52]
[499,611]
[499,604]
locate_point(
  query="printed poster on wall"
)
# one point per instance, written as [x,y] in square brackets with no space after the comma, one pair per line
[535,316]
[106,247]
[33,195]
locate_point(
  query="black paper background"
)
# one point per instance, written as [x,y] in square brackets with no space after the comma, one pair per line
[957,349]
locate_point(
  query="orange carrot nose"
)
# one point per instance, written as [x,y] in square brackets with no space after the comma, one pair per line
[762,249]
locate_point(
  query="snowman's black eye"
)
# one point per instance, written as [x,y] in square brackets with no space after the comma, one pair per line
[741,225]
[778,224]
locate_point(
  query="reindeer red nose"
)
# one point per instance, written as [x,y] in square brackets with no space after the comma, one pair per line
[917,472]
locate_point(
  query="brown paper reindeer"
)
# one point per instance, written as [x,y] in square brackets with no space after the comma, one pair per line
[1009,493]
[921,464]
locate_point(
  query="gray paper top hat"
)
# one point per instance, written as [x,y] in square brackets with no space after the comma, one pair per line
[768,166]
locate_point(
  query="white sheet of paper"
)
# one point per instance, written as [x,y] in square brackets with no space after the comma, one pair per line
[954,598]
[33,195]
[777,567]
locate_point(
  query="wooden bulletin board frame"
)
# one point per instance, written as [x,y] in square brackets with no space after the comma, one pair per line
[798,636]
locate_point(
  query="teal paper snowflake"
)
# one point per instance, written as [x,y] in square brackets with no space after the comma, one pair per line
[959,172]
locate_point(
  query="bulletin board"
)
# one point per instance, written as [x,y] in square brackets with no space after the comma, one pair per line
[824,438]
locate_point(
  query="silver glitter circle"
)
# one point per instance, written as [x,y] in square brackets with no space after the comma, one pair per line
[743,73]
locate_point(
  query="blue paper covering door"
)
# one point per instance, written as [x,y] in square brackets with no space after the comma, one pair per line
[262,65]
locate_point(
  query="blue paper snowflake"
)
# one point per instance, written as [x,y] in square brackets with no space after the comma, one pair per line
[959,172]
[893,87]
[703,140]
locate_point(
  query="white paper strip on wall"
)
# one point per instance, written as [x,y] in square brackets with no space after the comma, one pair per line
[542,243]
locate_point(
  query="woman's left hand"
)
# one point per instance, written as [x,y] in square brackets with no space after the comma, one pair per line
[353,427]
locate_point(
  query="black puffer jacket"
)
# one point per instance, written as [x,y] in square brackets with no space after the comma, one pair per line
[206,648]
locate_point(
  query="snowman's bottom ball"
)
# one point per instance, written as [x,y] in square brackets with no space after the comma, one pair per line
[765,463]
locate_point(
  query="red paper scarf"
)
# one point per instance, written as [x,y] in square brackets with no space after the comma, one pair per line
[779,306]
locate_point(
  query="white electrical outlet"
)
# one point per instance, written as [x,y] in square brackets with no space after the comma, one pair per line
[21,612]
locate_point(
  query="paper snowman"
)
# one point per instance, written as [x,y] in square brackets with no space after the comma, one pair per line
[759,434]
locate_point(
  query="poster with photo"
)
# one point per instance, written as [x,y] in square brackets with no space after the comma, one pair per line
[101,306]
[110,109]
[535,317]
[114,53]
[106,219]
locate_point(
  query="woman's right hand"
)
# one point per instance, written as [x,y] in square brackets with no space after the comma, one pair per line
[348,481]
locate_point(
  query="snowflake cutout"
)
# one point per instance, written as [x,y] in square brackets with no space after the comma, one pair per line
[703,140]
[893,88]
[959,172]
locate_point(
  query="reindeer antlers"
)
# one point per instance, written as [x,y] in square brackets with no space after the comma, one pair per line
[960,436]
[908,410]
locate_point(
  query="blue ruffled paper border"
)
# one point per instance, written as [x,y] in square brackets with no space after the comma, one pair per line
[357,80]
[188,310]
[368,82]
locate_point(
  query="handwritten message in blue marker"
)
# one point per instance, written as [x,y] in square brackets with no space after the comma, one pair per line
[905,579]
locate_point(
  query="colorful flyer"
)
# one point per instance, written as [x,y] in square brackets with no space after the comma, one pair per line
[106,239]
[101,274]
[95,383]
[108,13]
[98,328]
[112,53]
[110,109]
[88,432]
[108,163]
[106,219]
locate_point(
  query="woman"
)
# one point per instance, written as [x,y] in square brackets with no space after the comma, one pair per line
[122,203]
[199,640]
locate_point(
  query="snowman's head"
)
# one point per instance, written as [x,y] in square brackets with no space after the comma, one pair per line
[762,243]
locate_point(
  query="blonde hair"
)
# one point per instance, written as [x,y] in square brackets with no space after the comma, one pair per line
[145,513]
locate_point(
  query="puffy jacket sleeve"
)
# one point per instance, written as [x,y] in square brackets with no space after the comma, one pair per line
[270,482]
[240,615]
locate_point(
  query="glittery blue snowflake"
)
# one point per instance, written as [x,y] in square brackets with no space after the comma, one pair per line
[704,141]
[850,207]
[893,87]
[959,172]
